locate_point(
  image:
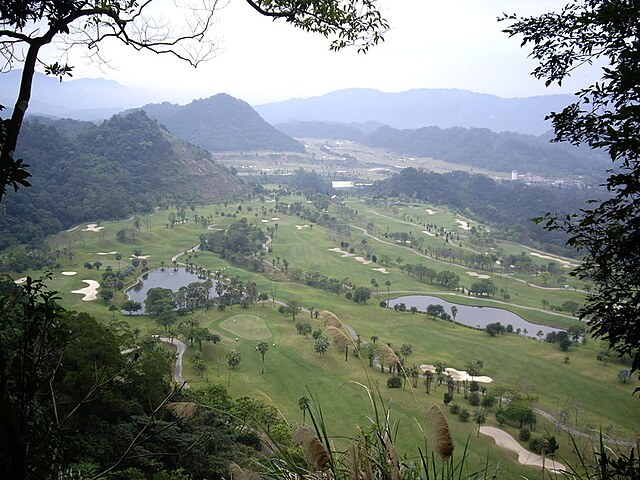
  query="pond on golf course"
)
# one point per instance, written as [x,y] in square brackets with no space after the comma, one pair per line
[474,316]
[171,278]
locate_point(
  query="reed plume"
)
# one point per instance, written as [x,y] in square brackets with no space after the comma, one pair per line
[314,450]
[441,433]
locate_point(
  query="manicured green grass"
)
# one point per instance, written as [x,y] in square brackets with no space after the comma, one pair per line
[571,384]
[248,327]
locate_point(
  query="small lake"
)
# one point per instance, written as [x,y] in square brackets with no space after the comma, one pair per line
[171,278]
[474,316]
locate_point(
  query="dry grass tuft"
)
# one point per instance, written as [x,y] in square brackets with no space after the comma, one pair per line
[314,451]
[330,319]
[392,459]
[236,472]
[338,337]
[441,433]
[388,356]
[183,410]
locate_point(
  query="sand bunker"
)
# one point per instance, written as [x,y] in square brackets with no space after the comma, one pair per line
[20,281]
[342,252]
[428,233]
[275,218]
[525,457]
[300,227]
[564,263]
[458,375]
[362,260]
[381,270]
[264,221]
[92,227]
[106,253]
[90,292]
[478,275]
[140,257]
[429,211]
[462,224]
[68,274]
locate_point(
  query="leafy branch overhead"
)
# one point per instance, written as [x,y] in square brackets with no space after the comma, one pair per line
[606,115]
[26,27]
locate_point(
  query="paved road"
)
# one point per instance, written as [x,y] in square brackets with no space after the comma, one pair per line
[180,349]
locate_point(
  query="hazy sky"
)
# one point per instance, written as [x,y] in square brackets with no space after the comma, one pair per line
[431,44]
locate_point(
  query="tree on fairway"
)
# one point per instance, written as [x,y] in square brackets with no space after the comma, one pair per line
[406,350]
[480,417]
[454,312]
[233,358]
[303,404]
[262,347]
[131,306]
[321,345]
[604,116]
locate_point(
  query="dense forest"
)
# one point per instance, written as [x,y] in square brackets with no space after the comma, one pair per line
[509,206]
[221,123]
[126,164]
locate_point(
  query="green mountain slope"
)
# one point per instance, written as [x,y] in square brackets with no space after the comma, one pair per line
[221,123]
[127,164]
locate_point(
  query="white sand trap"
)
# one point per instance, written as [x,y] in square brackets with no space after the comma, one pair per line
[106,253]
[564,263]
[457,374]
[362,260]
[264,221]
[90,292]
[429,211]
[92,227]
[275,218]
[525,457]
[68,274]
[140,257]
[300,227]
[381,270]
[212,227]
[462,224]
[478,275]
[342,252]
[428,233]
[20,281]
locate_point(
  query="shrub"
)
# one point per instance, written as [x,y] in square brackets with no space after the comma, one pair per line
[394,382]
[447,398]
[464,415]
[474,399]
[488,401]
[454,408]
[524,434]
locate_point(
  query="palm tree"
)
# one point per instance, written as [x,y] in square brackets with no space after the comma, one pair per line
[388,285]
[454,312]
[303,404]
[480,417]
[263,347]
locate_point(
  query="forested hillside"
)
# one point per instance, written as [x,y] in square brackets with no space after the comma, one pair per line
[221,123]
[509,206]
[481,147]
[127,164]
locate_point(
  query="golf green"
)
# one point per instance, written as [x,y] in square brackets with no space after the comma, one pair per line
[249,327]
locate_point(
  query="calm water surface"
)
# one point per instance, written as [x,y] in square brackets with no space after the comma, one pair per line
[171,278]
[473,316]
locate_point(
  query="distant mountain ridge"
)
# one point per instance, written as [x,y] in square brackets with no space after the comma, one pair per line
[475,147]
[420,108]
[82,99]
[125,165]
[221,123]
